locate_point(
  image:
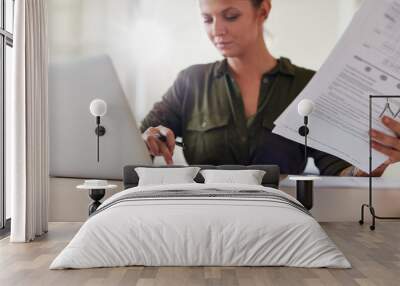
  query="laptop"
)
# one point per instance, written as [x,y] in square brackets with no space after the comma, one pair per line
[73,142]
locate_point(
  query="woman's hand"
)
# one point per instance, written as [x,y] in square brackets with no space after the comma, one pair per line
[157,147]
[354,171]
[387,144]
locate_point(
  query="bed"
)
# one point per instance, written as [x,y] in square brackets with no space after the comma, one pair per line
[198,224]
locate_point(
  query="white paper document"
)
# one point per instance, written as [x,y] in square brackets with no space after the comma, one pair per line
[365,62]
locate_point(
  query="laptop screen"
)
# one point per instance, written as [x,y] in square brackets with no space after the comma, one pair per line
[73,142]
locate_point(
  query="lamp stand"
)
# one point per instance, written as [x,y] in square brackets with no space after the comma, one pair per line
[96,195]
[304,131]
[100,131]
[304,193]
[304,188]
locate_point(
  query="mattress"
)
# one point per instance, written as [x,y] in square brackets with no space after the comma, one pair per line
[201,225]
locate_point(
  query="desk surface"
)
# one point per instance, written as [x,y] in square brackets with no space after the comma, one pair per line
[347,182]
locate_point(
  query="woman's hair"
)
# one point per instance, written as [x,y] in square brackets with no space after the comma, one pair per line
[256,3]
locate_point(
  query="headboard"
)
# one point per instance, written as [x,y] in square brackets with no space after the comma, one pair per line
[270,179]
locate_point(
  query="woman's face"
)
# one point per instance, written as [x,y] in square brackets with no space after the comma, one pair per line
[233,26]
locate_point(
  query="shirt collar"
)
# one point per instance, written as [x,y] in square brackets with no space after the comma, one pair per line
[284,66]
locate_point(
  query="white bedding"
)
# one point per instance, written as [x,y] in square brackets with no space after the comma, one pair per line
[200,231]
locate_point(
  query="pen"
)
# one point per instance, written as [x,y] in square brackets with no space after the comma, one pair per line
[163,138]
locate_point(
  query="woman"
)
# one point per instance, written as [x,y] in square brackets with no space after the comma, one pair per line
[224,111]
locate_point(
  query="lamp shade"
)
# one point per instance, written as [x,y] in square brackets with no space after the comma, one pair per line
[305,107]
[98,107]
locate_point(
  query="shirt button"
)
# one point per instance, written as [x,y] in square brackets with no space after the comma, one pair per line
[204,124]
[265,80]
[243,138]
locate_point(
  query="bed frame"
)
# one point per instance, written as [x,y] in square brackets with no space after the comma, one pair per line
[270,179]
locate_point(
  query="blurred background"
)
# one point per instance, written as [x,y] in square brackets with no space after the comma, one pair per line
[147,44]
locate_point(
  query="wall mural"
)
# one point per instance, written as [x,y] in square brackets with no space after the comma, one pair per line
[129,53]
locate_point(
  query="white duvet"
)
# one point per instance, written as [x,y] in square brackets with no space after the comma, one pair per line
[200,231]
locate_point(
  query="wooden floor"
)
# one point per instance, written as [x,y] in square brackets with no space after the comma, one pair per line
[375,257]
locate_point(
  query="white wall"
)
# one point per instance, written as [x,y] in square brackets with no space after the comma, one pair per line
[150,41]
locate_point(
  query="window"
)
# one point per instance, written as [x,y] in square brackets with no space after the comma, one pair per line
[6,44]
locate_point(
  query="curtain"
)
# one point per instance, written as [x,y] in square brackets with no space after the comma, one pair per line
[28,116]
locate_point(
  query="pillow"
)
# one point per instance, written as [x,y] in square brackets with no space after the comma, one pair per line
[248,177]
[163,176]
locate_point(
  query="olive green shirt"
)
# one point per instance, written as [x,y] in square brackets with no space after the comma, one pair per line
[204,107]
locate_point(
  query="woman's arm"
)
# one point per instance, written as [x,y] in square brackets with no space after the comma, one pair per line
[169,111]
[353,171]
[386,144]
[165,119]
[328,164]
